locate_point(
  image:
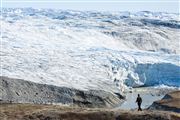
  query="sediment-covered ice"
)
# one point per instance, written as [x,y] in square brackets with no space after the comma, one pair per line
[91,50]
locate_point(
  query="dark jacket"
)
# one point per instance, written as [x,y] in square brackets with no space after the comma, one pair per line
[139,100]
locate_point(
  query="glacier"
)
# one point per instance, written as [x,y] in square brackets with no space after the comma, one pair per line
[110,51]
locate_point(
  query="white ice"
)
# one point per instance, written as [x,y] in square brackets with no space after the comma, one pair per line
[86,50]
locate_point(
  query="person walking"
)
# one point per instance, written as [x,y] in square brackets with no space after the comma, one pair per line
[139,101]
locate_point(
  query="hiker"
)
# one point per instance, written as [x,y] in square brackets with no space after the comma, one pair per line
[139,101]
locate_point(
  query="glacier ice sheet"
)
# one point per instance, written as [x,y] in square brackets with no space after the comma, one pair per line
[90,50]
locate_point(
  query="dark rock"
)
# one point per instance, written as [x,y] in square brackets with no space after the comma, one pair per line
[170,102]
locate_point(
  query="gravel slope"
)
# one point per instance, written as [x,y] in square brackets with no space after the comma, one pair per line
[20,91]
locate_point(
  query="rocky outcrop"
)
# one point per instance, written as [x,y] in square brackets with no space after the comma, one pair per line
[20,91]
[170,102]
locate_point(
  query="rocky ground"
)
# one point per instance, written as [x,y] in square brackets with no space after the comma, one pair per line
[170,102]
[54,112]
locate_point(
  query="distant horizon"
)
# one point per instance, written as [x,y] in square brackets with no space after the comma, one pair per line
[100,5]
[89,10]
